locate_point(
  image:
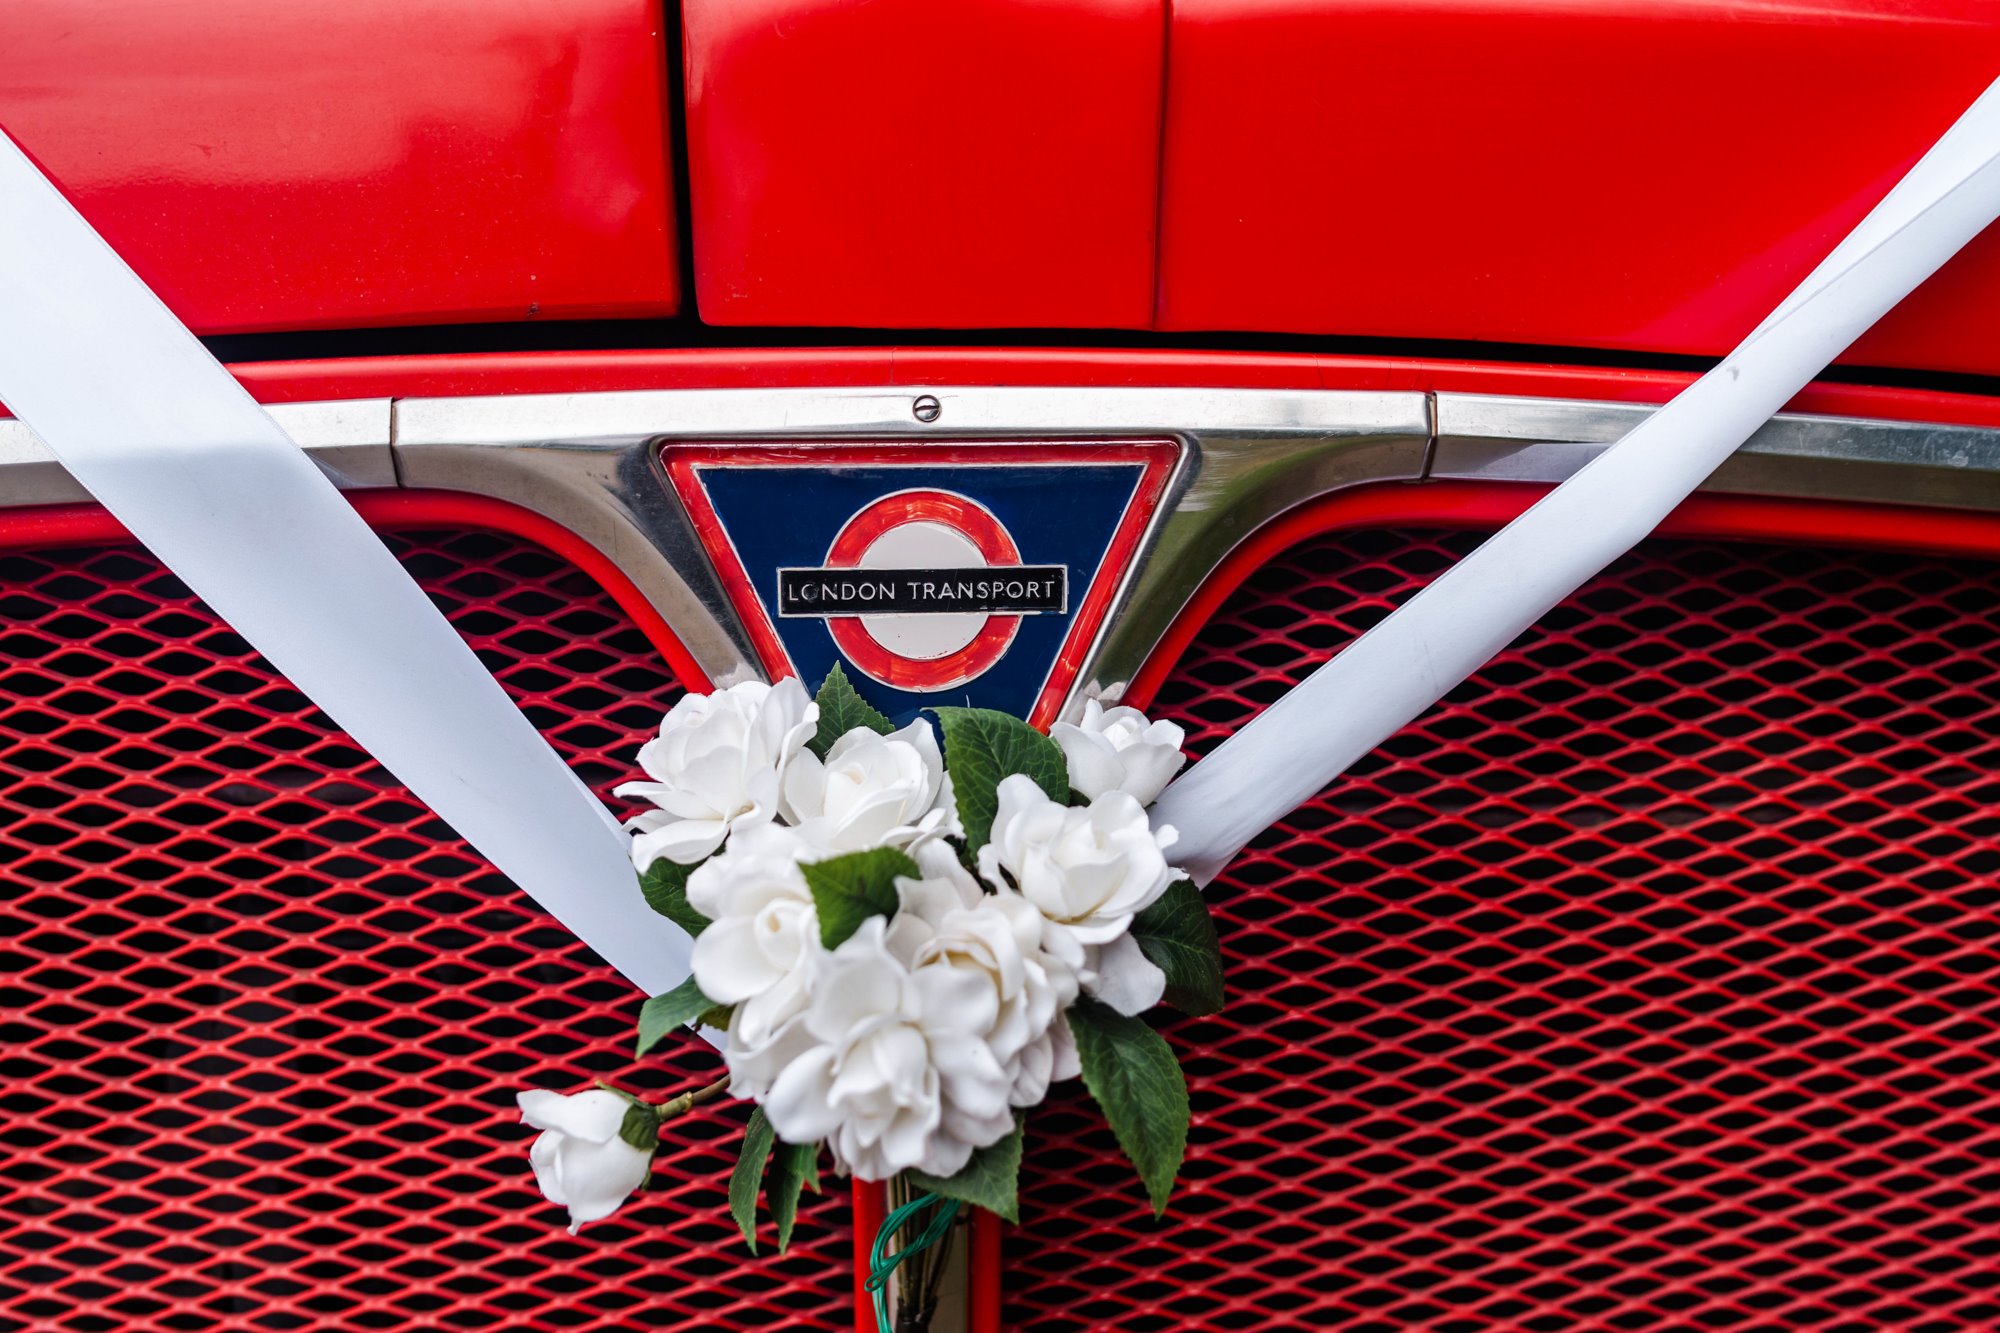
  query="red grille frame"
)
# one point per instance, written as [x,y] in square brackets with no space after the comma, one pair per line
[1521,1035]
[264,1016]
[679,1257]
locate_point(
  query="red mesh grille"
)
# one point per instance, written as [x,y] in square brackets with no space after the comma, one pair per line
[1650,982]
[263,1017]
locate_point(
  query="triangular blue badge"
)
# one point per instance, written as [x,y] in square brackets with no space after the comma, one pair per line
[937,574]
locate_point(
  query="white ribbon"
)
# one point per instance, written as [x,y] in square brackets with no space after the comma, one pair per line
[1473,610]
[147,421]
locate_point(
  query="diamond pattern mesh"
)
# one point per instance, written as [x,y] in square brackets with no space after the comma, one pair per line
[261,1017]
[1650,982]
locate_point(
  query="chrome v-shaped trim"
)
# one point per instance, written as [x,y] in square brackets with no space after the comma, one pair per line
[590,463]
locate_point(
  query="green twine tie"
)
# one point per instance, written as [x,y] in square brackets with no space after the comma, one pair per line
[882,1265]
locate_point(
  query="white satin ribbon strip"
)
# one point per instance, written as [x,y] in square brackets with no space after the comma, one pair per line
[146,420]
[1470,613]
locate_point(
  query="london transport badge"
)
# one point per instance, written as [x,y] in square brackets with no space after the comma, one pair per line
[960,573]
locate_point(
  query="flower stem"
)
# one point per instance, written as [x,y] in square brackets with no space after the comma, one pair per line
[920,1276]
[692,1098]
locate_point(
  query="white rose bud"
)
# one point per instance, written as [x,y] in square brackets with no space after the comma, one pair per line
[895,1075]
[872,791]
[716,767]
[1117,749]
[760,948]
[1088,872]
[579,1160]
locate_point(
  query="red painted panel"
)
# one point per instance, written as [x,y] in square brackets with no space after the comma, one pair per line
[1593,173]
[278,166]
[908,163]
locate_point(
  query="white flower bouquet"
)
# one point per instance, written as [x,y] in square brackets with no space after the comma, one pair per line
[902,946]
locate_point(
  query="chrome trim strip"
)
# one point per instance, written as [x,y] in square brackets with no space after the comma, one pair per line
[1230,484]
[349,438]
[589,462]
[709,413]
[1485,438]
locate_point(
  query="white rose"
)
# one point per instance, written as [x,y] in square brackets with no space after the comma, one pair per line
[1088,872]
[945,919]
[760,947]
[894,1075]
[872,791]
[1117,749]
[717,767]
[579,1160]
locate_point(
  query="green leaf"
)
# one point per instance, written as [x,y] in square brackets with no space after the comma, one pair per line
[665,885]
[1178,937]
[981,747]
[640,1127]
[790,1165]
[663,1013]
[717,1017]
[749,1171]
[849,889]
[1132,1073]
[988,1180]
[841,710]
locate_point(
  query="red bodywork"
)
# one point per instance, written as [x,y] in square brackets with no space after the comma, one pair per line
[1648,177]
[273,166]
[1642,176]
[1588,175]
[910,164]
[1581,174]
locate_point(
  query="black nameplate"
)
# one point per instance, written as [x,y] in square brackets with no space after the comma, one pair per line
[1010,590]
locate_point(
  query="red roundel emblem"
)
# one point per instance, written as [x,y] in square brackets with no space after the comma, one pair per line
[923,529]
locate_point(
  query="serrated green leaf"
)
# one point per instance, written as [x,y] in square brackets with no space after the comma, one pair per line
[990,1180]
[717,1017]
[665,885]
[790,1164]
[640,1127]
[841,710]
[981,748]
[849,889]
[1133,1075]
[749,1172]
[1177,936]
[663,1013]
